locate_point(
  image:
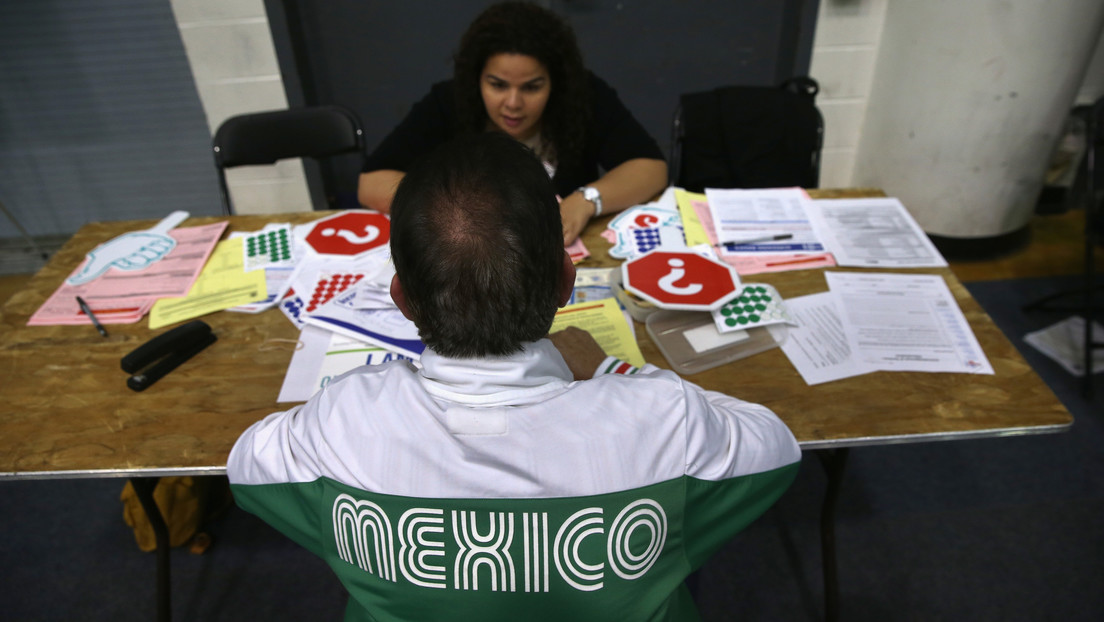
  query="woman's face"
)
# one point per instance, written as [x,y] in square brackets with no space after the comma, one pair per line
[515,90]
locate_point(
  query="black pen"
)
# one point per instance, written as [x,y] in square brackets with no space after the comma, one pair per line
[762,238]
[92,316]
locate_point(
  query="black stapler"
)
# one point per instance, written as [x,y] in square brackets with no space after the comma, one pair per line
[153,359]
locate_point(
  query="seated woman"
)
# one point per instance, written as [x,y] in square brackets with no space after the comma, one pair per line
[519,71]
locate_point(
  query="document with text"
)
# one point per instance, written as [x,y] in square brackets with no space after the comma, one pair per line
[321,356]
[817,347]
[748,215]
[905,322]
[872,233]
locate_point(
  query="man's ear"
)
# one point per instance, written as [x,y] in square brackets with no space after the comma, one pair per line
[400,298]
[567,279]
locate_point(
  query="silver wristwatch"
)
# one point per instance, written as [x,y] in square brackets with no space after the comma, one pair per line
[591,194]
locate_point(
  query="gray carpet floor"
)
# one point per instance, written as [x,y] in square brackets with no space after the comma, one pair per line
[997,529]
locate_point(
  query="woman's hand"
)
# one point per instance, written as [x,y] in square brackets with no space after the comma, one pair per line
[630,183]
[576,212]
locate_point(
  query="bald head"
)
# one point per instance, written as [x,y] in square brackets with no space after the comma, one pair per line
[478,246]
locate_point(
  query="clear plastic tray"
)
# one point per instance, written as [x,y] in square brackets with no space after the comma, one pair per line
[638,308]
[691,342]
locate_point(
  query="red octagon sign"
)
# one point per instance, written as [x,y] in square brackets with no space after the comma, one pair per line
[673,280]
[350,233]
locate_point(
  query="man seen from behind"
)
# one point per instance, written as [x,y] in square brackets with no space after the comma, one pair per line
[507,475]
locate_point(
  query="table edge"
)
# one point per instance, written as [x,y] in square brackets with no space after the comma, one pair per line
[867,441]
[902,439]
[111,473]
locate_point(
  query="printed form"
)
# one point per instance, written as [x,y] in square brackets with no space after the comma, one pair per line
[872,233]
[751,214]
[817,347]
[905,322]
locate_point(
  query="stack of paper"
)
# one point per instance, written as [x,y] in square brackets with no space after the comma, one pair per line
[124,296]
[873,233]
[776,229]
[876,321]
[343,306]
[347,332]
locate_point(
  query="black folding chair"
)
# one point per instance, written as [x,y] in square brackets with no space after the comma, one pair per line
[748,137]
[267,137]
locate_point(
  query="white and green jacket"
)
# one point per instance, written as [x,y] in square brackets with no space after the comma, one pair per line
[501,489]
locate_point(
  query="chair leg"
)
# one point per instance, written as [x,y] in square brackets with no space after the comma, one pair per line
[224,190]
[834,462]
[1090,315]
[1092,223]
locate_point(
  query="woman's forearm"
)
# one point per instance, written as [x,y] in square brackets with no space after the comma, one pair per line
[375,189]
[630,183]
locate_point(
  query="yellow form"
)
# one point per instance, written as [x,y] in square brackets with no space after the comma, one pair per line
[692,227]
[606,322]
[224,283]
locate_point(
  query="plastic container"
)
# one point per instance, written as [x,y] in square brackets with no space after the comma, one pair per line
[637,307]
[691,342]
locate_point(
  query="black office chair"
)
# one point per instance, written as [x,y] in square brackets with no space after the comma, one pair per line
[266,137]
[1088,192]
[748,137]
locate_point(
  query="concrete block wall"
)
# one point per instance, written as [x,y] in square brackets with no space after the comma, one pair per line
[229,46]
[845,48]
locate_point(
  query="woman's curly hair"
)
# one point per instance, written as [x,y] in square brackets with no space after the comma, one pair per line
[525,28]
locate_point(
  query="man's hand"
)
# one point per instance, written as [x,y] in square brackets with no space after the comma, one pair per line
[576,212]
[579,349]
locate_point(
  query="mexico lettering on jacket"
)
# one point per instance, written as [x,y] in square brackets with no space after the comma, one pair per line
[498,551]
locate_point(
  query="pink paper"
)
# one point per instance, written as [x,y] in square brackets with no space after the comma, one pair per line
[705,217]
[757,264]
[121,297]
[577,251]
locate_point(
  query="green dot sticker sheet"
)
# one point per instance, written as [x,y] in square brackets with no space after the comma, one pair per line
[270,247]
[757,304]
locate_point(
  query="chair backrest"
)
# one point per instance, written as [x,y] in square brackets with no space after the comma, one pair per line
[748,137]
[267,137]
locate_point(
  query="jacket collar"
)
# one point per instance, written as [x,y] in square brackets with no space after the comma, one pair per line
[526,377]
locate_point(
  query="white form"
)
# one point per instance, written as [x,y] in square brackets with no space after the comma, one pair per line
[748,214]
[322,356]
[905,322]
[300,381]
[818,346]
[871,233]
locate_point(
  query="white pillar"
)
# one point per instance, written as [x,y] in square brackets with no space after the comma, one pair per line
[233,61]
[968,101]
